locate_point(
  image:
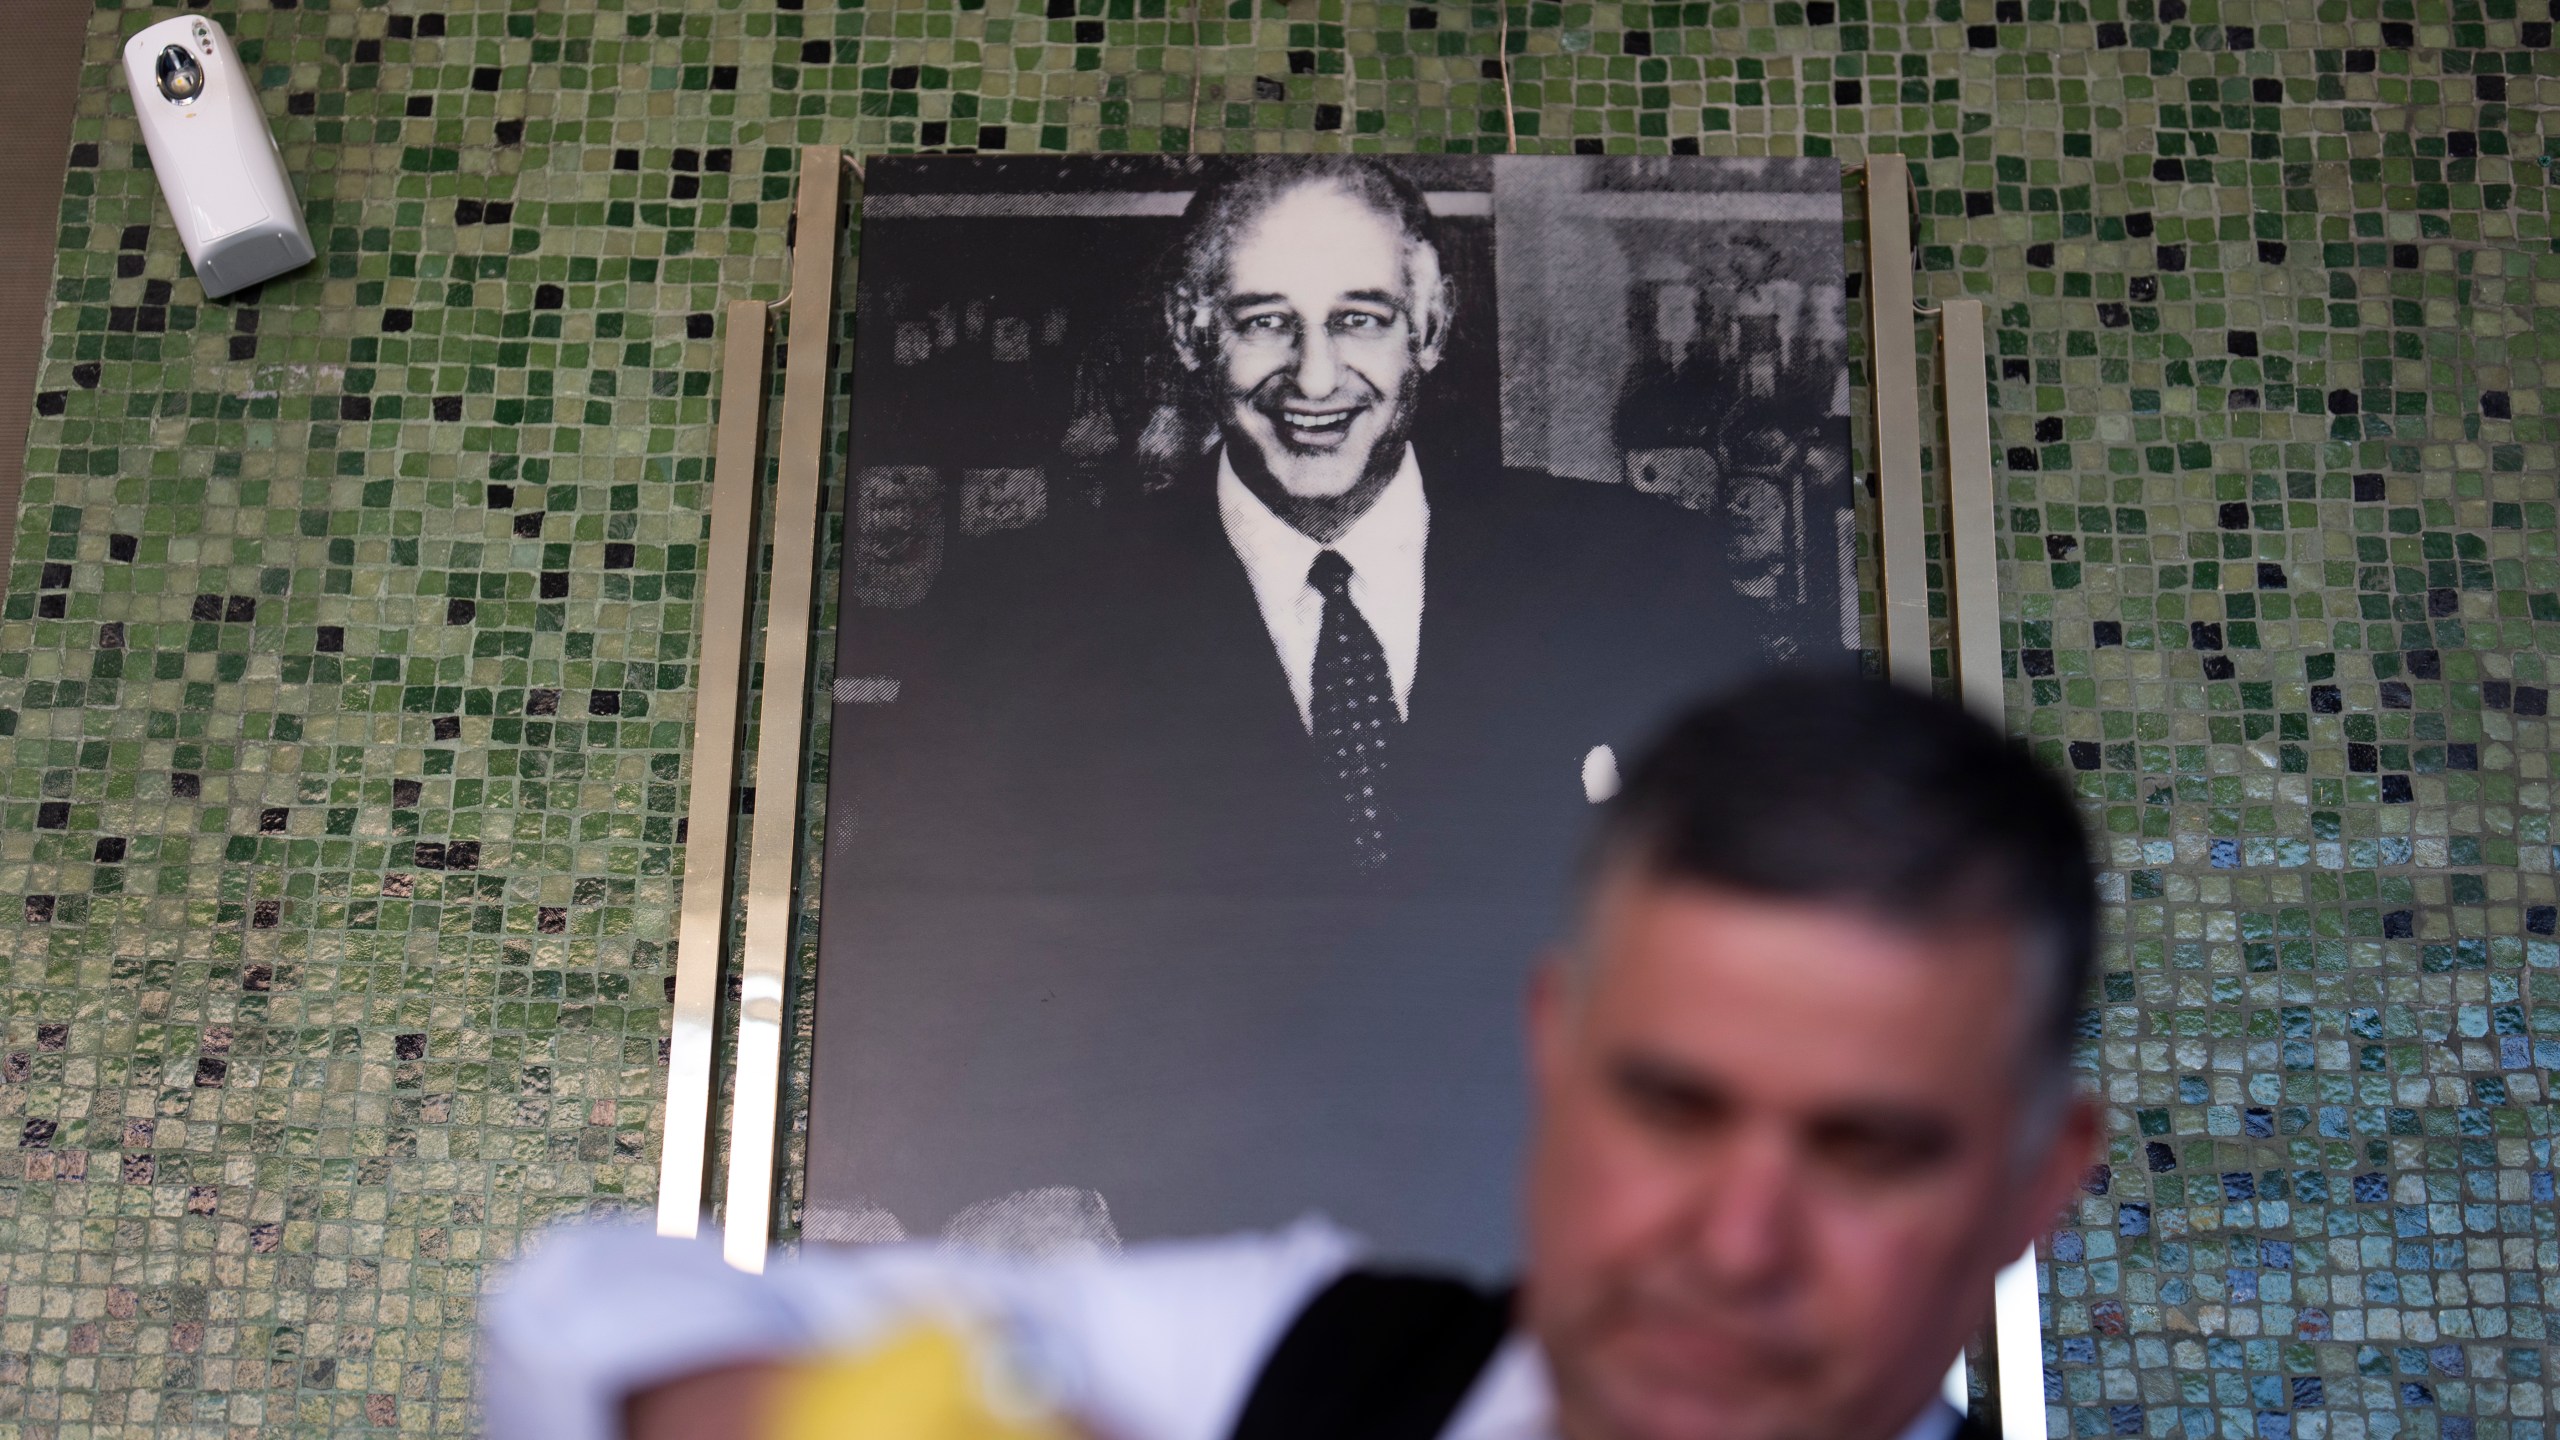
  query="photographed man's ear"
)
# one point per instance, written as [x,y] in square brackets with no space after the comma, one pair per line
[1439,306]
[1551,1012]
[1188,316]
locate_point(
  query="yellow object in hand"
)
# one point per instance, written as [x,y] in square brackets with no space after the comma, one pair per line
[930,1382]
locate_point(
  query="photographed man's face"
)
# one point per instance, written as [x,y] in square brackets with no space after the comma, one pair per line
[1321,342]
[1779,1159]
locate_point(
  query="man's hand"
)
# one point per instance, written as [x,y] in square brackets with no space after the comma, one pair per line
[734,1402]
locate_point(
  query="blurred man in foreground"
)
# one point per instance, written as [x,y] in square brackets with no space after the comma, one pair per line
[1801,1089]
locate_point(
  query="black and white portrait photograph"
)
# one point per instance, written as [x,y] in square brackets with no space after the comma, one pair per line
[1255,568]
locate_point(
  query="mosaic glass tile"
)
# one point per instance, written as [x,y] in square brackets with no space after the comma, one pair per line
[346,659]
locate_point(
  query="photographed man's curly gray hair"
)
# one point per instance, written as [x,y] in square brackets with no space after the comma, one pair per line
[1232,195]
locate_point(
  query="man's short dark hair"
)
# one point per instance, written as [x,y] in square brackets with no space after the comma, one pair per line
[1233,192]
[1853,792]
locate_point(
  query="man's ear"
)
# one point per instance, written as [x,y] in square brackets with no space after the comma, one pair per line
[1183,313]
[1437,311]
[2079,1138]
[1548,1001]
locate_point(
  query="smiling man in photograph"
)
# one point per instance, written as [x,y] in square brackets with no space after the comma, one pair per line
[1229,812]
[1330,660]
[1312,323]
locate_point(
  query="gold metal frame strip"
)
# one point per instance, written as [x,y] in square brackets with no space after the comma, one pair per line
[2017,1338]
[702,926]
[1975,575]
[1893,376]
[1972,494]
[774,859]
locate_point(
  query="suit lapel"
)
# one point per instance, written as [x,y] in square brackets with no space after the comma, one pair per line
[1228,722]
[1209,602]
[1451,580]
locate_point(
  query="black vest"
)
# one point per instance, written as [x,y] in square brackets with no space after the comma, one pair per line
[1380,1355]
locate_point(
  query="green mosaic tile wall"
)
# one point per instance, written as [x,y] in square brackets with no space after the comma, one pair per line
[345,664]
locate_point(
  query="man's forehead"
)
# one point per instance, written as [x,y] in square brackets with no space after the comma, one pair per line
[1317,230]
[1806,972]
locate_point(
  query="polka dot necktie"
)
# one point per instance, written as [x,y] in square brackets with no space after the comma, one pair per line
[1353,709]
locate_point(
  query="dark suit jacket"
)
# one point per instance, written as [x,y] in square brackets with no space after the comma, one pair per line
[1383,1354]
[1095,704]
[1091,916]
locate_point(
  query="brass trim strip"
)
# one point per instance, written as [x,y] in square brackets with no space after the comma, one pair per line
[773,859]
[2017,1338]
[1971,494]
[1893,395]
[702,926]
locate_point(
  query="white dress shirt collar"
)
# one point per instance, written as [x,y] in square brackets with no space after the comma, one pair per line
[1513,1400]
[1384,547]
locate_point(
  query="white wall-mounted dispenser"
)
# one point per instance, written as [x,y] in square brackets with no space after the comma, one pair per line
[217,160]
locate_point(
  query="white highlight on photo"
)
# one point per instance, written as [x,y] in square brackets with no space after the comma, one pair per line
[1600,775]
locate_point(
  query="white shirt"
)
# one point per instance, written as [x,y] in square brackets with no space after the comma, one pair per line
[1384,547]
[1512,1401]
[1159,1342]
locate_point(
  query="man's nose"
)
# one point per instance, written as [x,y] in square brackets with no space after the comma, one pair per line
[1746,1224]
[1319,371]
